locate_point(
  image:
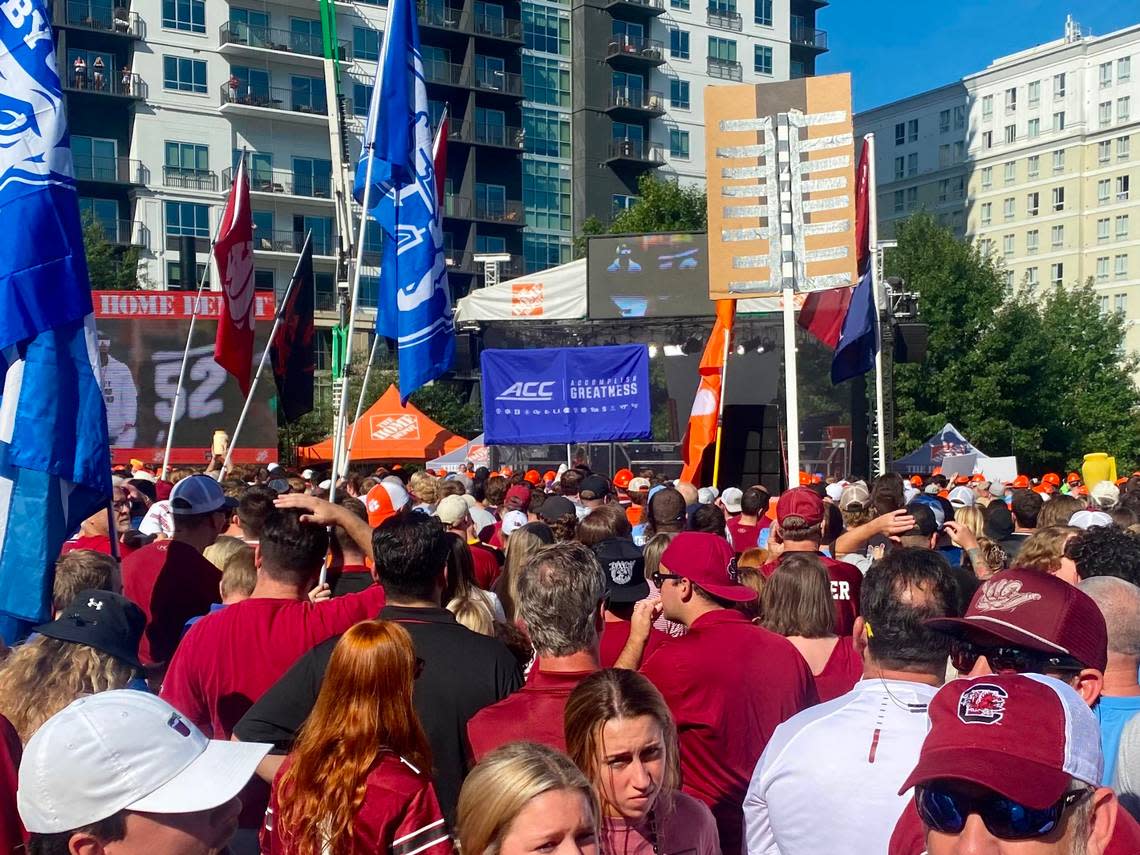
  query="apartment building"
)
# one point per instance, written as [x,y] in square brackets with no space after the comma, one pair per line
[1035,158]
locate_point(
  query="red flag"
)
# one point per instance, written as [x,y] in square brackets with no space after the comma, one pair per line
[439,159]
[233,261]
[701,432]
[823,311]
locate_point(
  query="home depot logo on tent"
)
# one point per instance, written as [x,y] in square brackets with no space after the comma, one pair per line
[526,299]
[394,426]
[479,455]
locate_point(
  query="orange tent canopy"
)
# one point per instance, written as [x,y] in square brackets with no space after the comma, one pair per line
[388,431]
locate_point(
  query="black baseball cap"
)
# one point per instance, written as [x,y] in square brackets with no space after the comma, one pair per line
[624,566]
[556,507]
[108,622]
[594,487]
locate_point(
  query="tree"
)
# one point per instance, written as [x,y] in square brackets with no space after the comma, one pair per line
[109,267]
[661,206]
[1045,379]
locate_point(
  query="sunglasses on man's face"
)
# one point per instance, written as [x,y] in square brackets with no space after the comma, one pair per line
[945,810]
[659,577]
[1011,660]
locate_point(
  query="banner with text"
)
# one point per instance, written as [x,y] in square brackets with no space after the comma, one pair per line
[580,394]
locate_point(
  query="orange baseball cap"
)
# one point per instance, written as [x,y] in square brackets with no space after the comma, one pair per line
[384,501]
[622,478]
[805,479]
[532,477]
[549,475]
[916,480]
[1021,482]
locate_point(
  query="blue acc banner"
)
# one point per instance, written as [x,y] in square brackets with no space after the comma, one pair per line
[580,394]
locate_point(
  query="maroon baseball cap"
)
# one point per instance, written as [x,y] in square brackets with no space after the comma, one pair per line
[1035,611]
[517,498]
[799,508]
[1025,736]
[704,559]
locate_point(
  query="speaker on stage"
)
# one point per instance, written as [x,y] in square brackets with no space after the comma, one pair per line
[466,353]
[910,342]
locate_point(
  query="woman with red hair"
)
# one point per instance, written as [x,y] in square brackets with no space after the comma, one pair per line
[358,779]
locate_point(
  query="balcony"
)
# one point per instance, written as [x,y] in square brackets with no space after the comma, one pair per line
[85,15]
[121,85]
[480,133]
[639,9]
[802,35]
[635,105]
[725,19]
[504,212]
[125,233]
[437,16]
[189,179]
[110,170]
[638,153]
[725,69]
[290,243]
[634,54]
[272,101]
[495,82]
[496,27]
[443,73]
[238,39]
[282,182]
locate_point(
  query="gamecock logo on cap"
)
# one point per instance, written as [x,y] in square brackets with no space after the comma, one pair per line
[982,704]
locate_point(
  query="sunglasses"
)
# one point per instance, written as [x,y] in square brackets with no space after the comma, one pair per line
[660,577]
[1010,660]
[946,811]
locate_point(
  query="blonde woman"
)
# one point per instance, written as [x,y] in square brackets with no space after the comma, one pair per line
[972,518]
[224,548]
[524,542]
[652,551]
[423,487]
[526,798]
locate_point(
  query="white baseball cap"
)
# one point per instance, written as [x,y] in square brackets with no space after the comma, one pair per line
[512,521]
[307,475]
[1105,494]
[1088,519]
[731,499]
[125,750]
[451,509]
[962,497]
[198,494]
[707,495]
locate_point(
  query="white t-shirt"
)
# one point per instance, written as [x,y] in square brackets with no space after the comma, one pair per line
[829,779]
[159,519]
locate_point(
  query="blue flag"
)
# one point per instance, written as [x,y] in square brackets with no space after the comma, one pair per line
[54,454]
[859,340]
[414,305]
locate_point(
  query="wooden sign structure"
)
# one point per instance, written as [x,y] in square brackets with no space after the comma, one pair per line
[781,200]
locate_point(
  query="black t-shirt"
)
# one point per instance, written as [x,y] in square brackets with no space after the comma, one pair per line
[463,672]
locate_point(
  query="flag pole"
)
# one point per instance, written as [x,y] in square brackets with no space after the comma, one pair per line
[791,402]
[720,403]
[186,353]
[360,400]
[877,297]
[278,316]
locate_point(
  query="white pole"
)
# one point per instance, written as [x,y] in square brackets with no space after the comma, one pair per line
[791,401]
[569,460]
[186,354]
[360,400]
[877,296]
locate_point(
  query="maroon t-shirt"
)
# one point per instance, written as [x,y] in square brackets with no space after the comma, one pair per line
[729,684]
[171,582]
[13,837]
[487,565]
[843,670]
[615,634]
[744,537]
[533,713]
[846,583]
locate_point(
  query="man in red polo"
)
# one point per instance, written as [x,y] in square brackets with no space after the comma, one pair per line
[799,528]
[728,683]
[560,603]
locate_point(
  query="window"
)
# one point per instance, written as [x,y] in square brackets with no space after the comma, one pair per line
[188,15]
[959,118]
[1010,133]
[547,81]
[1058,86]
[898,201]
[1007,208]
[1032,240]
[900,167]
[1104,113]
[187,219]
[1122,188]
[944,122]
[987,213]
[1120,266]
[943,156]
[912,130]
[900,133]
[988,107]
[1122,227]
[1057,237]
[911,198]
[1102,230]
[679,93]
[1058,198]
[1123,147]
[546,132]
[1123,69]
[943,189]
[1103,190]
[1102,304]
[1007,278]
[308,94]
[985,246]
[361,98]
[1032,204]
[959,151]
[1104,151]
[1059,121]
[1056,273]
[1102,269]
[987,139]
[1120,302]
[1033,129]
[312,176]
[548,31]
[762,60]
[1010,100]
[546,195]
[1031,280]
[1059,160]
[185,164]
[1007,246]
[543,251]
[1009,171]
[679,43]
[912,164]
[1105,75]
[365,43]
[184,75]
[1123,109]
[679,143]
[305,36]
[764,13]
[987,177]
[722,50]
[679,4]
[1033,165]
[1033,93]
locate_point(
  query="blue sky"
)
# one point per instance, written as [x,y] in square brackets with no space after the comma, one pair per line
[895,49]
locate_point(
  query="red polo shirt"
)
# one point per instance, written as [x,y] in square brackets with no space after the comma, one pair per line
[846,583]
[171,582]
[533,713]
[745,537]
[96,543]
[729,684]
[614,638]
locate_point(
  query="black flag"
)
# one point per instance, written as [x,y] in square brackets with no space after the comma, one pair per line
[293,353]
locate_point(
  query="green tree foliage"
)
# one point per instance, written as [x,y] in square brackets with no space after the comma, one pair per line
[109,267]
[661,206]
[1043,378]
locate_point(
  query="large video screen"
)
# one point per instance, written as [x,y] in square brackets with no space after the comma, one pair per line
[649,276]
[141,339]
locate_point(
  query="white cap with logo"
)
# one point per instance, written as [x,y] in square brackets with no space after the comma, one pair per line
[125,750]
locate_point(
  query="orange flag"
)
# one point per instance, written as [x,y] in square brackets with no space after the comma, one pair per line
[701,432]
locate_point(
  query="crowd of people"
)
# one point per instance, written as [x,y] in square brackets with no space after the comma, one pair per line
[564,663]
